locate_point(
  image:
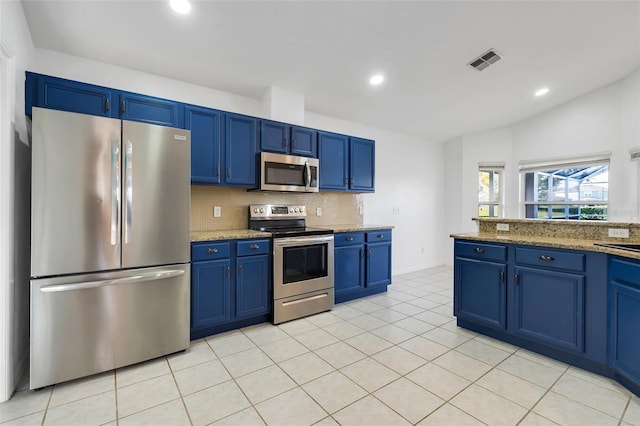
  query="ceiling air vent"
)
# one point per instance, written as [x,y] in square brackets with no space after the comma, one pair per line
[483,61]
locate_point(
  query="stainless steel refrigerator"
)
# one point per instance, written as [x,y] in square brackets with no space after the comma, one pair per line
[110,208]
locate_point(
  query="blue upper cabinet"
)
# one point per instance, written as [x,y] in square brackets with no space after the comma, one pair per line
[346,164]
[362,165]
[66,95]
[333,152]
[304,141]
[241,140]
[206,132]
[286,139]
[148,109]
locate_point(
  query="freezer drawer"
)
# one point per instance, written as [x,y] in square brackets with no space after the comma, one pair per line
[82,325]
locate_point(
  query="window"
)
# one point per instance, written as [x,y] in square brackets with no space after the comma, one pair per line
[576,190]
[490,179]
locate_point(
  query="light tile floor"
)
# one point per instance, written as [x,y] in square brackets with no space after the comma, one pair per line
[391,359]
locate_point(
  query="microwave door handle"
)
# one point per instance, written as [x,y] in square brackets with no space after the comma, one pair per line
[307,170]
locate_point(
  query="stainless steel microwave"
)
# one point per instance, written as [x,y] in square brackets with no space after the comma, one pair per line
[289,173]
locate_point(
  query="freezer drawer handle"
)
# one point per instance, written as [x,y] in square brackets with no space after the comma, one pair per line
[56,288]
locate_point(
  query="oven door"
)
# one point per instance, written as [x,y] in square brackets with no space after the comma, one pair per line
[302,265]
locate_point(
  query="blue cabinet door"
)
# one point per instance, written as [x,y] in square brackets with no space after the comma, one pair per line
[206,129]
[549,307]
[624,320]
[240,150]
[147,109]
[480,292]
[252,286]
[333,152]
[66,95]
[348,269]
[378,264]
[362,165]
[304,142]
[274,136]
[210,293]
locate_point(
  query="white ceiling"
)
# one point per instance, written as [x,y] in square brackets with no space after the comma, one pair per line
[327,50]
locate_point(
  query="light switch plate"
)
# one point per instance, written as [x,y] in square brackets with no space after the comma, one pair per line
[319,211]
[619,232]
[217,211]
[502,226]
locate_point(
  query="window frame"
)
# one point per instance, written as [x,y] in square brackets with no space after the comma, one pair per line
[492,168]
[528,189]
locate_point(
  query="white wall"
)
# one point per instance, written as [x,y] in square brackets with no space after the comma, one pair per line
[16,55]
[606,119]
[409,171]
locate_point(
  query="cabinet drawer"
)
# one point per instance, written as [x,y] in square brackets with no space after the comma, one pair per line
[210,251]
[481,251]
[379,236]
[625,271]
[250,247]
[348,238]
[553,259]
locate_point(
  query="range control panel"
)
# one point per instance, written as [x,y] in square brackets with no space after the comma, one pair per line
[265,211]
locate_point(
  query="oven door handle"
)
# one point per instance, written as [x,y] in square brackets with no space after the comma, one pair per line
[299,241]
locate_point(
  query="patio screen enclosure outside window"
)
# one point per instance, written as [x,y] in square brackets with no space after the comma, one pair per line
[577,190]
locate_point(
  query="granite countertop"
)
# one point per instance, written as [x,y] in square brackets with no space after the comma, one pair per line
[351,227]
[231,234]
[534,240]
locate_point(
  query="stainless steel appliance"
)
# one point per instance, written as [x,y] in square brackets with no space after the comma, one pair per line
[302,261]
[289,173]
[109,244]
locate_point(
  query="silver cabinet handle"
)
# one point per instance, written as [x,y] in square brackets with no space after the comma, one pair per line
[115,192]
[349,238]
[254,246]
[107,104]
[128,170]
[547,258]
[56,288]
[212,250]
[478,250]
[380,236]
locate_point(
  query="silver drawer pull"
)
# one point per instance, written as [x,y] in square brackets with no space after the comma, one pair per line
[478,250]
[546,258]
[349,238]
[212,250]
[254,246]
[380,236]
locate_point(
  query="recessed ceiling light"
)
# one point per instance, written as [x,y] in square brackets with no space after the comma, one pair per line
[376,79]
[180,6]
[542,91]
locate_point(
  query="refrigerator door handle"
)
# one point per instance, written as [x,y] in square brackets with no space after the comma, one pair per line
[128,177]
[56,288]
[115,191]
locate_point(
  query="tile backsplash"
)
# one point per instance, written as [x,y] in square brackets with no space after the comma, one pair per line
[337,207]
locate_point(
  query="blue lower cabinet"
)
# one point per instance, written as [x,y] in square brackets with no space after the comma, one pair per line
[252,286]
[210,293]
[480,293]
[222,299]
[361,268]
[549,307]
[349,269]
[624,321]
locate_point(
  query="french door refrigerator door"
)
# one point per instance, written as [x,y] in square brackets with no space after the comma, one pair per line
[156,195]
[76,189]
[85,324]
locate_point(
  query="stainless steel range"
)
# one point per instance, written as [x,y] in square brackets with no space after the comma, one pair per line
[302,261]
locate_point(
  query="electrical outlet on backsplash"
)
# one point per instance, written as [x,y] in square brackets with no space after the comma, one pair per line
[338,208]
